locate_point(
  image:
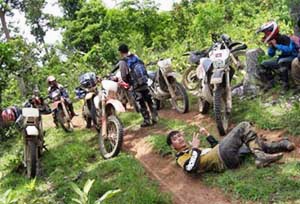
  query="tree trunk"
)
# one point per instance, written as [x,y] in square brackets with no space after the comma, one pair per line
[295,13]
[4,25]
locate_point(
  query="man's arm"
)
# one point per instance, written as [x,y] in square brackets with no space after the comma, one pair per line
[191,165]
[210,138]
[124,71]
[271,51]
[285,48]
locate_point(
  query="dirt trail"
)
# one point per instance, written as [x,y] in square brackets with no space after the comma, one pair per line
[184,188]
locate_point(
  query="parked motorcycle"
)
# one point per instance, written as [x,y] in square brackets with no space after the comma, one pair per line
[189,77]
[163,85]
[215,73]
[101,107]
[32,129]
[61,113]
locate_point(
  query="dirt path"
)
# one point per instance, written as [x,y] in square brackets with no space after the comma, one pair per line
[184,189]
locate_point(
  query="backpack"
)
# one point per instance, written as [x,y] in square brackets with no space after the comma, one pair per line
[296,40]
[137,71]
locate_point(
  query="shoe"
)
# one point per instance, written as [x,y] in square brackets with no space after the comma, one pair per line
[145,124]
[283,145]
[264,159]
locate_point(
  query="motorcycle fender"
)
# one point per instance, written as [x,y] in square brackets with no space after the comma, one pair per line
[97,100]
[118,106]
[32,131]
[89,96]
[171,74]
[217,77]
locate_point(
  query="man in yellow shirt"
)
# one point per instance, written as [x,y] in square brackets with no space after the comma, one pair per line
[228,153]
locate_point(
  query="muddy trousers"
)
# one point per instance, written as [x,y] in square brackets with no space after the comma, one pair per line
[231,145]
[269,68]
[144,97]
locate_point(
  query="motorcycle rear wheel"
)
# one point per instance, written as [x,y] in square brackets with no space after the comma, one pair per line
[111,145]
[64,123]
[189,79]
[221,115]
[31,159]
[181,97]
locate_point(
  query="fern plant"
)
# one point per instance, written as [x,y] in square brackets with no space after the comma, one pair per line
[8,198]
[83,195]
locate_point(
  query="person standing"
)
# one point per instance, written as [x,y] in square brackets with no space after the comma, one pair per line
[134,73]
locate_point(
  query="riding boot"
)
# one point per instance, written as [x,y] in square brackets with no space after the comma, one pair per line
[277,146]
[263,159]
[284,76]
[154,114]
[146,117]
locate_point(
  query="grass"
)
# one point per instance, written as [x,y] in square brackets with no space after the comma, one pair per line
[278,183]
[75,158]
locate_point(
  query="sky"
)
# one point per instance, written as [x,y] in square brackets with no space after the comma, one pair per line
[52,7]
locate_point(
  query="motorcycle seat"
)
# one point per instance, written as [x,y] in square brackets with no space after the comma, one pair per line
[152,75]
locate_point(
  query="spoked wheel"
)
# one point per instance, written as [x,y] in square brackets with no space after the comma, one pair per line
[189,79]
[221,114]
[181,100]
[63,121]
[31,159]
[110,146]
[203,105]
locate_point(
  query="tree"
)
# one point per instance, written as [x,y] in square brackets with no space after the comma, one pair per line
[70,7]
[5,8]
[36,19]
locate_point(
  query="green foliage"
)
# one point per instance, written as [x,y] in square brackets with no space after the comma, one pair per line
[83,194]
[279,183]
[8,197]
[75,158]
[291,120]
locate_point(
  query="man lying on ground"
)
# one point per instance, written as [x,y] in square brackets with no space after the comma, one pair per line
[228,153]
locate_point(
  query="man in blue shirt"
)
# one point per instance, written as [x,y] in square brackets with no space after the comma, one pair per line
[281,64]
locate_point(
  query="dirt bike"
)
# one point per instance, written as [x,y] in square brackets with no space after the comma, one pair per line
[215,73]
[61,112]
[101,107]
[189,77]
[32,129]
[163,85]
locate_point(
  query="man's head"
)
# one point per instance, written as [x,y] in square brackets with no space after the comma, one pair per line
[51,80]
[123,49]
[270,31]
[176,140]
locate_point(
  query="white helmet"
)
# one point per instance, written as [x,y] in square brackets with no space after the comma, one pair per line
[270,30]
[51,79]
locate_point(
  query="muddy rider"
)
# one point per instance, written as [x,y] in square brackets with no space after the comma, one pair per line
[228,153]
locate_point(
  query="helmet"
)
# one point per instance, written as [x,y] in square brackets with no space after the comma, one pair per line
[8,115]
[270,31]
[51,79]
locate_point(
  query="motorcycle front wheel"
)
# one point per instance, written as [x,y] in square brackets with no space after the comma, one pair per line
[181,100]
[31,159]
[62,120]
[189,79]
[110,146]
[221,114]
